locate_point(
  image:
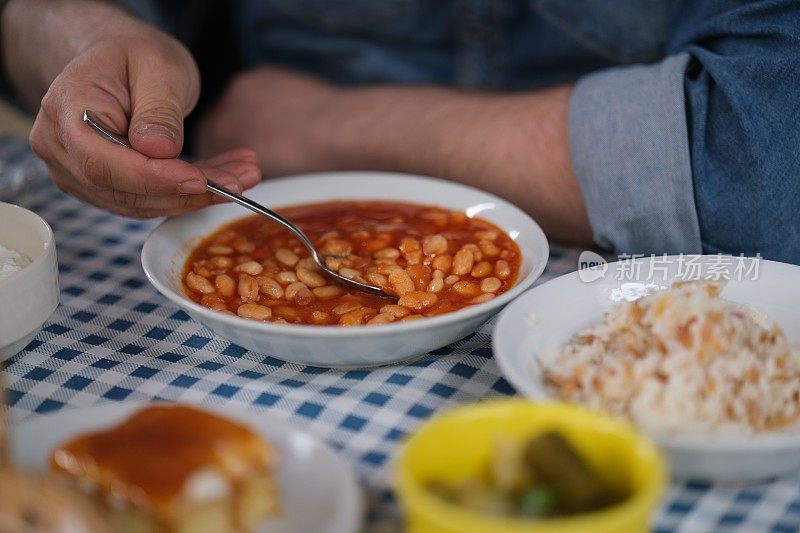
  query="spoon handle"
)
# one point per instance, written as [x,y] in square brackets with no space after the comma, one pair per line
[219,190]
[92,121]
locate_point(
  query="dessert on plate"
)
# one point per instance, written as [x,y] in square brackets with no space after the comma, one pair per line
[175,468]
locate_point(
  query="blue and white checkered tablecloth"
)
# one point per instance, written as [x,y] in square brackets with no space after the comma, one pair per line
[115,339]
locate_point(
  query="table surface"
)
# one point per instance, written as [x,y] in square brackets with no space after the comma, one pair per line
[113,338]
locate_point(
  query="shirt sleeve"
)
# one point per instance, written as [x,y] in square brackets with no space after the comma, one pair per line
[630,153]
[698,152]
[742,100]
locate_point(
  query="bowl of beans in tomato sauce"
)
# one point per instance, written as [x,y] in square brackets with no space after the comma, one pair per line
[448,256]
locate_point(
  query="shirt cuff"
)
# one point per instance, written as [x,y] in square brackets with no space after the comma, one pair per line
[630,153]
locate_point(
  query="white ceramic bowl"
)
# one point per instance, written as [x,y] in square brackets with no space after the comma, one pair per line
[549,315]
[27,297]
[165,252]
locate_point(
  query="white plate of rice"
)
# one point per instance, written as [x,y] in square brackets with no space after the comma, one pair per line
[710,369]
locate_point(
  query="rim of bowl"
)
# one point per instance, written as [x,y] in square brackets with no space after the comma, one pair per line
[413,493]
[47,243]
[769,442]
[372,330]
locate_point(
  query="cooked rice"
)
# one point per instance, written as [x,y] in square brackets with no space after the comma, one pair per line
[683,360]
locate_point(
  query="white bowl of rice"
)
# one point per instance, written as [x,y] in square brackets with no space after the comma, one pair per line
[709,369]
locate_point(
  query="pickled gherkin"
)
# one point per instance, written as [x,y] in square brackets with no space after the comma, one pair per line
[541,477]
[553,463]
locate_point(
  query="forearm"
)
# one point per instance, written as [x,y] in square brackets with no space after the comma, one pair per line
[514,145]
[40,37]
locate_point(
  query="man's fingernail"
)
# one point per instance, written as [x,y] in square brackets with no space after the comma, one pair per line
[155,130]
[192,187]
[234,185]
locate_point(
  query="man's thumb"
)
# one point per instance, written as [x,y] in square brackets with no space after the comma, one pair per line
[156,128]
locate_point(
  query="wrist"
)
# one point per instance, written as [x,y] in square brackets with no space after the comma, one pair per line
[404,129]
[329,133]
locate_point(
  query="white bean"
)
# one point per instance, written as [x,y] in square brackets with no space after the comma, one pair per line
[287,257]
[199,283]
[254,311]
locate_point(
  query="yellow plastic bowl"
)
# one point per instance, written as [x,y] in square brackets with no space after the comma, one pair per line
[458,444]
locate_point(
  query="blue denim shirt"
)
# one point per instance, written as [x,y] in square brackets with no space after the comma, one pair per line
[683,121]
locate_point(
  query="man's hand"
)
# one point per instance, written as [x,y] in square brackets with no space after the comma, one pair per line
[117,68]
[152,79]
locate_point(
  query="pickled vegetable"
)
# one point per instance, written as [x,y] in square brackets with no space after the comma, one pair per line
[542,477]
[555,464]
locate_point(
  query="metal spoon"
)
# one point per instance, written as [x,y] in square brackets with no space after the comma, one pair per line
[91,119]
